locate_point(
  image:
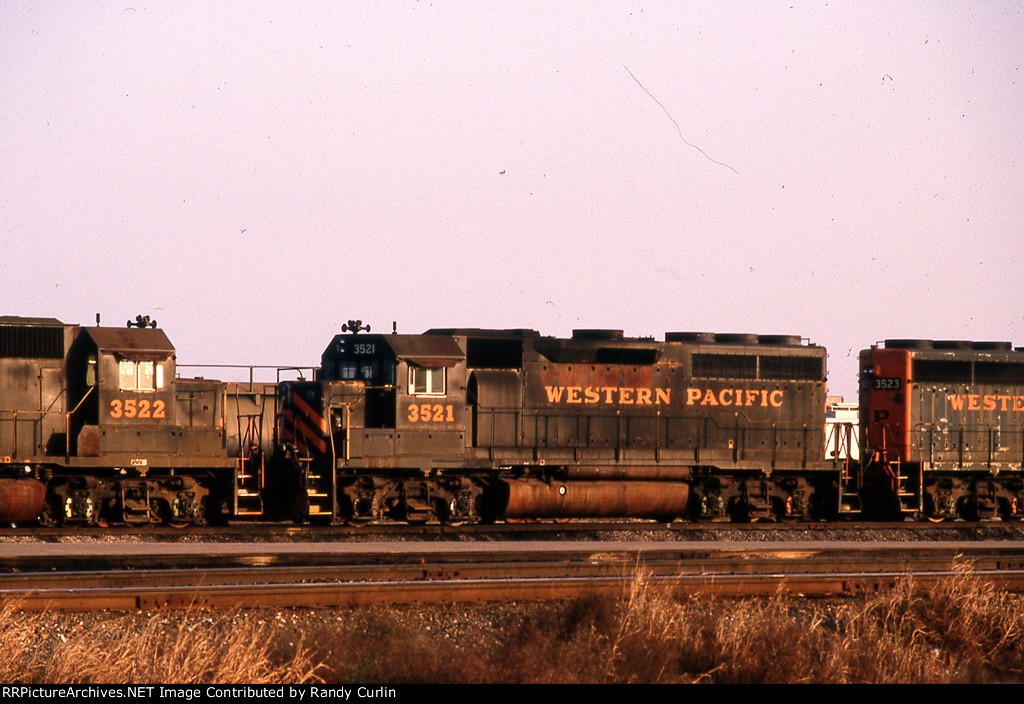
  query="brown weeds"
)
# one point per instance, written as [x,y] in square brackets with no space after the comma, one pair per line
[964,630]
[193,648]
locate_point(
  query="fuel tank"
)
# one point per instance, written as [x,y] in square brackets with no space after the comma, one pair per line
[21,500]
[593,499]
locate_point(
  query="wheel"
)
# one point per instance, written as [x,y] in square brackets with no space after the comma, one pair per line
[46,517]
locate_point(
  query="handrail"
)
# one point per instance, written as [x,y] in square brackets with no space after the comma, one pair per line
[301,369]
[67,421]
[15,413]
[581,426]
[931,434]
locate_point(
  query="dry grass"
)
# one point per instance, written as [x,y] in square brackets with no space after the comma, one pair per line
[191,648]
[962,631]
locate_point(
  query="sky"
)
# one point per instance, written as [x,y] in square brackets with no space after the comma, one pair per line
[254,174]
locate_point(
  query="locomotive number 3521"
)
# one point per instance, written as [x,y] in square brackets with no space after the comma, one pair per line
[431,413]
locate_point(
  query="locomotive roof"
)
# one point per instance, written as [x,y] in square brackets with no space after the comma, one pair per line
[135,343]
[18,320]
[485,332]
[952,348]
[425,350]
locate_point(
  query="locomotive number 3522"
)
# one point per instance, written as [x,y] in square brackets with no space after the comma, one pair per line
[141,408]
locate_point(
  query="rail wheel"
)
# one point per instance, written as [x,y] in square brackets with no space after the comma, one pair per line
[443,512]
[1008,509]
[47,517]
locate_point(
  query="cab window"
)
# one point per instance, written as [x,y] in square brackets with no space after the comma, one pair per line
[140,376]
[426,381]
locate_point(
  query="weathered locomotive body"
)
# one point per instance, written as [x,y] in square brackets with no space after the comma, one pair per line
[467,424]
[95,425]
[943,426]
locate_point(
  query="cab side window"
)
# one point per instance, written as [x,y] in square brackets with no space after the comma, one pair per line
[139,376]
[426,381]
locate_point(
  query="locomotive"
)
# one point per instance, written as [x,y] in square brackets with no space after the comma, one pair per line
[943,429]
[468,425]
[96,426]
[462,425]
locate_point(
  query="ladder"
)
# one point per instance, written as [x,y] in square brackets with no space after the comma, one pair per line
[251,466]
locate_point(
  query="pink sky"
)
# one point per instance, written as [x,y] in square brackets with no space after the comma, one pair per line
[255,174]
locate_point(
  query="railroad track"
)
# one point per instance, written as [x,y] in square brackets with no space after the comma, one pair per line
[536,530]
[147,575]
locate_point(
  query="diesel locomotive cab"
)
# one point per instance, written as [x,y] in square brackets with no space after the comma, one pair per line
[142,433]
[98,418]
[943,426]
[374,434]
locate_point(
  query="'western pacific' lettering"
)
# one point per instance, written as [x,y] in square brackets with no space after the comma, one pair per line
[621,395]
[986,402]
[734,397]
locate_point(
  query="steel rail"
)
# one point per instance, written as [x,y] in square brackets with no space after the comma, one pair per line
[543,530]
[470,590]
[289,575]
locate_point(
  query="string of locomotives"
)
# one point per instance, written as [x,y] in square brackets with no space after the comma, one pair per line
[472,425]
